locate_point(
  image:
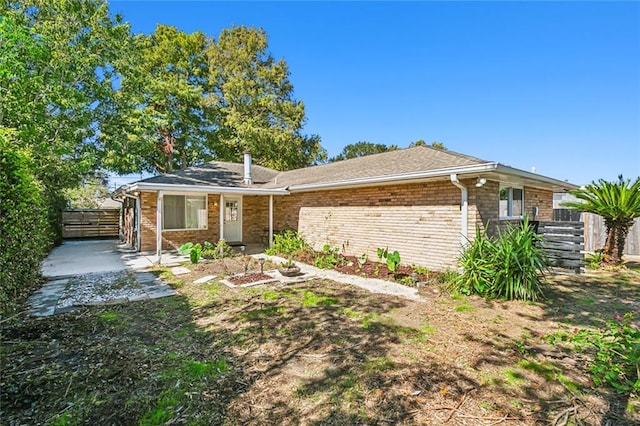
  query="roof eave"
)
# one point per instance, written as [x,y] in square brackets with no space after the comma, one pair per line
[142,186]
[378,180]
[535,179]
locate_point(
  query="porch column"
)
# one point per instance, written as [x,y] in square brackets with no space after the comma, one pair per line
[221,212]
[159,227]
[270,220]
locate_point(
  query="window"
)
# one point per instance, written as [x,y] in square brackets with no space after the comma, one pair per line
[184,212]
[511,202]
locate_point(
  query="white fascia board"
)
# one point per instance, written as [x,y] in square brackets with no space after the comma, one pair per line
[530,176]
[460,170]
[143,186]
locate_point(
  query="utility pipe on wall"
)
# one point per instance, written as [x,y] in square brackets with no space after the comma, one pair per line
[159,227]
[464,208]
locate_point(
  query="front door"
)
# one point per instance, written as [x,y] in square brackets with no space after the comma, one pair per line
[232,219]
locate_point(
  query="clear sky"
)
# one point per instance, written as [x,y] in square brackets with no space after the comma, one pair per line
[555,85]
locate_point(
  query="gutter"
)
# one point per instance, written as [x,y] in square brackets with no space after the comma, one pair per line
[486,167]
[142,186]
[464,208]
[501,168]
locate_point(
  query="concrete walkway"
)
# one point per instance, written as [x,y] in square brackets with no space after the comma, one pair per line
[93,273]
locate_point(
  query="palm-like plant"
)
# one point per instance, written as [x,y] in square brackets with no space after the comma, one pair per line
[618,203]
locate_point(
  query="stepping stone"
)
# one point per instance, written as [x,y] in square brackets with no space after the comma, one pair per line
[205,279]
[180,270]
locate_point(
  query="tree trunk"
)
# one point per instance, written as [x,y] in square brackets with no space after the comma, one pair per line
[610,249]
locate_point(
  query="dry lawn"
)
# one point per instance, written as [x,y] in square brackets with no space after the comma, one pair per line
[316,353]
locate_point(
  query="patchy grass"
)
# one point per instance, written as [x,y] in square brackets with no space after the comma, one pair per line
[316,353]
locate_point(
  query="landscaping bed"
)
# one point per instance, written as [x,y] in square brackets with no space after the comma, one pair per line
[316,352]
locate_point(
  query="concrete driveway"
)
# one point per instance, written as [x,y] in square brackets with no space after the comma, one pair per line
[94,272]
[83,257]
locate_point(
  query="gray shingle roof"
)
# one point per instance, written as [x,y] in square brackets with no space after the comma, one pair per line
[410,160]
[230,175]
[215,173]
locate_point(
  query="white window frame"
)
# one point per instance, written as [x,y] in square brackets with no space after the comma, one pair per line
[510,189]
[186,195]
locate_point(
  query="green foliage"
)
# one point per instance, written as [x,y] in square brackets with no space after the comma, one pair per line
[89,193]
[220,250]
[287,243]
[510,266]
[193,250]
[618,203]
[59,60]
[24,229]
[361,149]
[391,259]
[594,260]
[328,258]
[617,358]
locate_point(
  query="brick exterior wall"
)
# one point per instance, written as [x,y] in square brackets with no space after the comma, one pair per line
[485,201]
[421,221]
[172,239]
[255,218]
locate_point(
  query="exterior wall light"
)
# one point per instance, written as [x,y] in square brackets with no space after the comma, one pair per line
[480,182]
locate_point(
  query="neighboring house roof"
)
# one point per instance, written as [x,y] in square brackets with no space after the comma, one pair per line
[417,163]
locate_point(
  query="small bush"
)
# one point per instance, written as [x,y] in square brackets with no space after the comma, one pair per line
[193,250]
[287,243]
[328,258]
[617,358]
[219,251]
[510,266]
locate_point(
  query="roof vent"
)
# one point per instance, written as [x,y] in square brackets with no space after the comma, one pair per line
[248,179]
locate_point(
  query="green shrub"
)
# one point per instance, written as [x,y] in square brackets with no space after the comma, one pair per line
[617,358]
[328,258]
[219,251]
[391,259]
[287,243]
[24,229]
[193,250]
[510,266]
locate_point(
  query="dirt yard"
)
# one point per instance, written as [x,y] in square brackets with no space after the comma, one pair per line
[315,353]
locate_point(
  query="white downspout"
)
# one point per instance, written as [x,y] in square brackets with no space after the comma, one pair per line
[464,208]
[159,227]
[270,220]
[221,213]
[138,224]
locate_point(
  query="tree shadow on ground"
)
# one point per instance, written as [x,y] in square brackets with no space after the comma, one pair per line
[590,301]
[322,354]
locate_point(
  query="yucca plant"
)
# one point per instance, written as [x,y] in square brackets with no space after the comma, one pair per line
[519,262]
[618,203]
[510,266]
[476,261]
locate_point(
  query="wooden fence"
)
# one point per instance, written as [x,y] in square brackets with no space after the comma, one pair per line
[595,235]
[90,223]
[595,231]
[563,244]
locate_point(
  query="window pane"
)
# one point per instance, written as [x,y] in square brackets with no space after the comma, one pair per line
[231,211]
[173,212]
[504,202]
[516,209]
[194,206]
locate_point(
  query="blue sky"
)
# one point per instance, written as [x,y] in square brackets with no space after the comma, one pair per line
[545,84]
